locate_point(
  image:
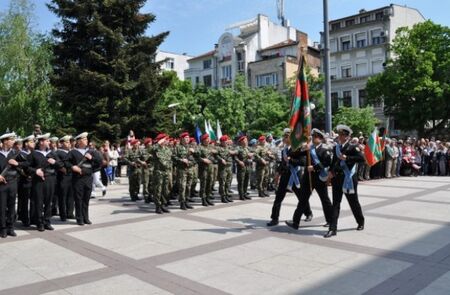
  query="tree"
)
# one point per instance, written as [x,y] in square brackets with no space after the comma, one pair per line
[105,75]
[360,120]
[24,69]
[415,85]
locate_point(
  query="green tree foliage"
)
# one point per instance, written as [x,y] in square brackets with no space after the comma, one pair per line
[24,69]
[105,75]
[415,85]
[360,120]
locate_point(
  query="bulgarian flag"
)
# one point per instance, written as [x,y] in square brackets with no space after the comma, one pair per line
[300,117]
[211,133]
[372,151]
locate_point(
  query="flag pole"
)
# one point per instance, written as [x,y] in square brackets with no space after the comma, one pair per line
[308,159]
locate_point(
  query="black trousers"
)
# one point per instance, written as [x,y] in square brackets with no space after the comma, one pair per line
[305,193]
[65,196]
[8,193]
[82,189]
[337,183]
[26,211]
[43,192]
[281,193]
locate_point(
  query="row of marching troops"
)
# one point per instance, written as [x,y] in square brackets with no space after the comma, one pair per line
[165,170]
[45,175]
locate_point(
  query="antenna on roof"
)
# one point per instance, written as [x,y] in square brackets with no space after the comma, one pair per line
[280,12]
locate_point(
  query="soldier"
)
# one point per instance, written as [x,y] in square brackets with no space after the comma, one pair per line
[43,164]
[270,144]
[215,168]
[82,162]
[162,159]
[53,146]
[253,179]
[244,161]
[318,171]
[8,184]
[205,170]
[25,203]
[225,161]
[64,181]
[147,170]
[346,157]
[262,159]
[194,193]
[133,158]
[184,160]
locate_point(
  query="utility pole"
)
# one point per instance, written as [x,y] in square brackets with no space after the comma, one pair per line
[326,67]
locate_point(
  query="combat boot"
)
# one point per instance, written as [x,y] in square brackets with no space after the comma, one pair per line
[209,202]
[204,203]
[183,206]
[224,199]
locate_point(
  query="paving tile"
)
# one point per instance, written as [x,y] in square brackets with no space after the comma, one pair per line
[440,196]
[439,286]
[415,209]
[381,191]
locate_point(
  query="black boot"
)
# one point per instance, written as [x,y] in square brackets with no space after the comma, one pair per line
[330,233]
[183,206]
[229,199]
[188,206]
[273,222]
[12,233]
[204,203]
[291,224]
[165,210]
[3,233]
[242,198]
[224,199]
[247,197]
[209,202]
[309,218]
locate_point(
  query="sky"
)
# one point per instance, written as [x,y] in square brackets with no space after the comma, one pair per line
[196,25]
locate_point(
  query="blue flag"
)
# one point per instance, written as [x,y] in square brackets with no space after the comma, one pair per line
[198,133]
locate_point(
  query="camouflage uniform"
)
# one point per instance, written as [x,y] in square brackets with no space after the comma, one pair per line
[162,156]
[205,172]
[225,172]
[145,173]
[194,169]
[243,173]
[184,172]
[262,158]
[133,158]
[150,169]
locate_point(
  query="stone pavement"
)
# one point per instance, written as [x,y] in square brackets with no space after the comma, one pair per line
[226,249]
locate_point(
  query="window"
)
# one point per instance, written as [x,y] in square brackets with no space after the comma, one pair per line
[333,75]
[197,80]
[346,71]
[362,95]
[377,37]
[377,66]
[170,63]
[335,26]
[361,69]
[379,15]
[347,99]
[345,43]
[333,45]
[207,80]
[360,40]
[226,72]
[364,19]
[334,102]
[207,64]
[270,79]
[349,22]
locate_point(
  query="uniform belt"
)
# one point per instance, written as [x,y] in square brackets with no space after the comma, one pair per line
[86,166]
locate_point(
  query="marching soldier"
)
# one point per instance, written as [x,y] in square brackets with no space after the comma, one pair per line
[318,171]
[193,145]
[205,170]
[262,159]
[225,161]
[215,168]
[147,171]
[8,184]
[64,181]
[184,160]
[134,160]
[25,203]
[82,161]
[162,159]
[43,164]
[346,157]
[244,161]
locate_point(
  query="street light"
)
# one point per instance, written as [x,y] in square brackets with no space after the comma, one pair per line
[174,105]
[326,66]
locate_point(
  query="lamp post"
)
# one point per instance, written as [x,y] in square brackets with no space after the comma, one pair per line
[326,67]
[174,105]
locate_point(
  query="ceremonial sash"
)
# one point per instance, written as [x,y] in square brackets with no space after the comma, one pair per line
[347,187]
[293,178]
[323,175]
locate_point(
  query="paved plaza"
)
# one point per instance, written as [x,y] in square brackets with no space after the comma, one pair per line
[227,249]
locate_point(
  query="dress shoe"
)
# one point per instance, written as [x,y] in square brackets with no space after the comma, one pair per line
[158,210]
[11,232]
[183,206]
[80,222]
[209,202]
[291,224]
[103,193]
[273,222]
[308,218]
[3,233]
[188,206]
[165,210]
[360,227]
[326,225]
[48,227]
[204,203]
[87,221]
[40,227]
[229,199]
[330,233]
[224,200]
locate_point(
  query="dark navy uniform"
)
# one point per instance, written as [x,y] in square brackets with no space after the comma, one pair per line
[64,186]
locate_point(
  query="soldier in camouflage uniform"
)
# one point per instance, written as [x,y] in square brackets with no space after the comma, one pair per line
[162,159]
[224,158]
[244,161]
[205,159]
[252,147]
[262,159]
[184,160]
[215,168]
[273,162]
[147,170]
[133,158]
[194,168]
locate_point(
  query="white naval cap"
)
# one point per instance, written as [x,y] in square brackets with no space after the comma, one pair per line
[8,135]
[43,136]
[65,138]
[81,135]
[316,131]
[29,138]
[342,127]
[54,139]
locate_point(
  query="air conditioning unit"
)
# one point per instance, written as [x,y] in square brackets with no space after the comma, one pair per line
[384,33]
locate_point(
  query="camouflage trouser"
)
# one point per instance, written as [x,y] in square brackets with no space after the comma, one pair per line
[150,185]
[161,187]
[262,175]
[194,178]
[215,172]
[205,174]
[272,173]
[170,182]
[253,179]
[175,181]
[145,181]
[184,180]
[243,175]
[225,177]
[134,182]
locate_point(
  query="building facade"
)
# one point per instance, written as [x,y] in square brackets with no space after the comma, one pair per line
[173,62]
[359,50]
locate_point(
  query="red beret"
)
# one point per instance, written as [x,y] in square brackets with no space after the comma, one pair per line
[262,138]
[224,138]
[184,134]
[134,141]
[147,140]
[242,138]
[192,140]
[205,136]
[160,137]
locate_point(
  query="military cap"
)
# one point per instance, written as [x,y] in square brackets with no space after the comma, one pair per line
[192,139]
[344,128]
[262,138]
[184,134]
[205,136]
[19,139]
[317,132]
[81,135]
[8,135]
[53,139]
[134,141]
[242,138]
[224,138]
[29,138]
[65,138]
[43,136]
[147,140]
[160,137]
